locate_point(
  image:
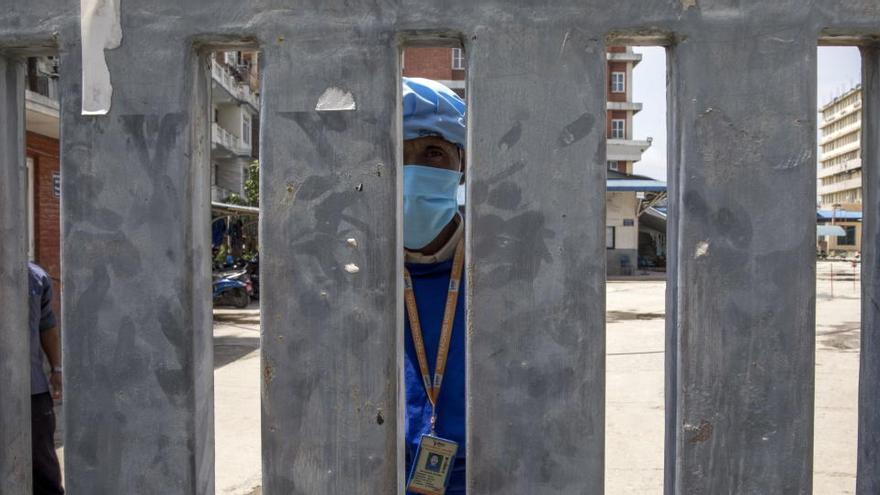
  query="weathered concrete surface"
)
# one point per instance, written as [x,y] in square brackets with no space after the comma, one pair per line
[869,383]
[135,207]
[15,364]
[330,334]
[537,266]
[743,302]
[137,321]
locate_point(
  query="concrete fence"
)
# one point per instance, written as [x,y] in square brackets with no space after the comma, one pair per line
[136,247]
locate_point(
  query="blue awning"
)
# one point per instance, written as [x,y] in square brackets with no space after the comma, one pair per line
[830,230]
[839,215]
[638,185]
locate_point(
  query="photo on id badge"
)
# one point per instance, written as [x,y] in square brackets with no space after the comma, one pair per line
[430,473]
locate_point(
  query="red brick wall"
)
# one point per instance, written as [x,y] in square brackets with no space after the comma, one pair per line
[615,67]
[47,215]
[430,63]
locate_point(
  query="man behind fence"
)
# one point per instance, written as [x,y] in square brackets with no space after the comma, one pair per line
[434,136]
[45,338]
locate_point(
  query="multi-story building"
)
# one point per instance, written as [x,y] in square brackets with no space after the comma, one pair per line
[235,86]
[840,164]
[840,168]
[628,195]
[43,168]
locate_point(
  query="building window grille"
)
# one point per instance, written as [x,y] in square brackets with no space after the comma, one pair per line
[609,237]
[618,129]
[457,59]
[618,82]
[613,165]
[246,130]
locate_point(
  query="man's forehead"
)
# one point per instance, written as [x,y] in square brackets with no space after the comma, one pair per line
[430,140]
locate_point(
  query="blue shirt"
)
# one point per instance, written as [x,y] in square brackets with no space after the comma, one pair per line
[41,318]
[430,285]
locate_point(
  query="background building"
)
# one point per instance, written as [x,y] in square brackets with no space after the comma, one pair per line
[235,101]
[630,245]
[840,170]
[43,167]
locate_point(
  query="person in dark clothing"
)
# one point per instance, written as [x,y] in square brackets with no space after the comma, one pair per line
[434,134]
[45,338]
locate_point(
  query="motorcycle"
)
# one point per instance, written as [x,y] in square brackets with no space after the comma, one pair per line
[232,289]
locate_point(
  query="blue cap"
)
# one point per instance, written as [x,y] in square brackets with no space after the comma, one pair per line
[432,109]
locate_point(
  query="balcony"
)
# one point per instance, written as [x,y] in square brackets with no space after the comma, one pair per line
[854,127]
[624,105]
[228,145]
[42,114]
[629,150]
[227,89]
[844,185]
[624,57]
[846,148]
[839,168]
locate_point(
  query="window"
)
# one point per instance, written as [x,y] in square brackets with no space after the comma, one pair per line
[609,237]
[618,129]
[457,59]
[618,82]
[850,239]
[612,165]
[246,129]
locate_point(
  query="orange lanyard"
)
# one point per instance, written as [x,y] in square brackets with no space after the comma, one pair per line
[433,389]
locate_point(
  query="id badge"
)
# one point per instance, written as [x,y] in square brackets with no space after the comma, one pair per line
[434,460]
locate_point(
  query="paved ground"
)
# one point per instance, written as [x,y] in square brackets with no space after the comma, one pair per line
[634,417]
[634,433]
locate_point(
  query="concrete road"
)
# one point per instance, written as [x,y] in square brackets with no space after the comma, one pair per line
[237,400]
[634,418]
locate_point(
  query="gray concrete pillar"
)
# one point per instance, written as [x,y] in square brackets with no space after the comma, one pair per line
[331,263]
[15,365]
[868,480]
[536,300]
[136,273]
[741,307]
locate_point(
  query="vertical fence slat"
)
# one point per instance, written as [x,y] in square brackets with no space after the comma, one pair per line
[868,479]
[743,209]
[331,265]
[15,377]
[137,317]
[536,306]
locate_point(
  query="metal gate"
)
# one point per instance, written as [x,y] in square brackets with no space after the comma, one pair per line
[137,322]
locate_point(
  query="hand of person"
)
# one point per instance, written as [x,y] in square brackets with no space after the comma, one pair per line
[55,384]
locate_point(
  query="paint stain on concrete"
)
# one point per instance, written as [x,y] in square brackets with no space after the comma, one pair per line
[268,372]
[100,29]
[702,249]
[511,137]
[335,100]
[576,130]
[702,432]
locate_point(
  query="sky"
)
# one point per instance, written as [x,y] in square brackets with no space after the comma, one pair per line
[839,69]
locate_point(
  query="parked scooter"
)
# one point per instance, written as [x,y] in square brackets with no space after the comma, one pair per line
[233,289]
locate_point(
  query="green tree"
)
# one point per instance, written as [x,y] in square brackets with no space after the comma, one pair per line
[251,188]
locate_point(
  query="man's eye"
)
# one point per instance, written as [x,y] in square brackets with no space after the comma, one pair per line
[435,153]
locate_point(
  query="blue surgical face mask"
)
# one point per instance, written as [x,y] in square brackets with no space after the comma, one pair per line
[429,203]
